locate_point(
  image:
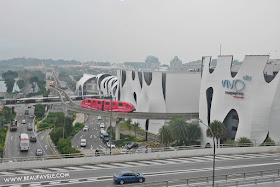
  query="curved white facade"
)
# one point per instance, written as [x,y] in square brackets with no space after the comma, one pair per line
[164,92]
[254,102]
[86,84]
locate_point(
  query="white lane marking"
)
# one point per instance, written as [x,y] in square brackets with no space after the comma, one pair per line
[90,136]
[81,136]
[135,163]
[73,168]
[6,173]
[91,147]
[151,162]
[107,166]
[164,161]
[57,169]
[41,170]
[100,146]
[94,136]
[93,129]
[11,138]
[90,167]
[46,146]
[42,137]
[24,172]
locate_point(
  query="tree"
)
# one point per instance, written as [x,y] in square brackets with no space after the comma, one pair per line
[178,128]
[20,84]
[39,110]
[219,130]
[9,75]
[56,134]
[68,126]
[10,84]
[193,132]
[165,135]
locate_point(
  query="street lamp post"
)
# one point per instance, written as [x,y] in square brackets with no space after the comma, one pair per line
[111,126]
[213,181]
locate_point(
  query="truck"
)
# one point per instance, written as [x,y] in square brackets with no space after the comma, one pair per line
[24,142]
[13,125]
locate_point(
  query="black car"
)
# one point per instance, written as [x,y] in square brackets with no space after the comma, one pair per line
[33,139]
[131,145]
[99,152]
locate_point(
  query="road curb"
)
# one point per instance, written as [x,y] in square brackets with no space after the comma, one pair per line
[50,144]
[6,142]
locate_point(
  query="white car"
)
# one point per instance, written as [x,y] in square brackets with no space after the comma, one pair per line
[83,142]
[112,144]
[23,121]
[99,117]
[85,128]
[102,126]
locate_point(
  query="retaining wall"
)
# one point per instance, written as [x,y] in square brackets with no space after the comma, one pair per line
[134,157]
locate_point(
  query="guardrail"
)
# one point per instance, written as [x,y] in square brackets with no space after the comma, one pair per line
[235,179]
[129,151]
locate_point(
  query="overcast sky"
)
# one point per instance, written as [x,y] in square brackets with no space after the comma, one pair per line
[130,30]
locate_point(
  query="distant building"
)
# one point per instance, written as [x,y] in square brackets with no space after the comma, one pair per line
[176,64]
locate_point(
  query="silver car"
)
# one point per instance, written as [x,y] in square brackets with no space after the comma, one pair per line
[39,152]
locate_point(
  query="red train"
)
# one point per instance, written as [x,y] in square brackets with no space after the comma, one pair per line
[105,105]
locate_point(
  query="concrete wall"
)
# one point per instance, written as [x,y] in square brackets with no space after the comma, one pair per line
[134,157]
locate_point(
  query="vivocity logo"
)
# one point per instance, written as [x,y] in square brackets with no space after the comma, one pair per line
[237,84]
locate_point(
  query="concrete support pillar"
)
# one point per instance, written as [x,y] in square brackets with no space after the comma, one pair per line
[117,130]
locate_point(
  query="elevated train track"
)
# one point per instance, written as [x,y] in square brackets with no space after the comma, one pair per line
[71,106]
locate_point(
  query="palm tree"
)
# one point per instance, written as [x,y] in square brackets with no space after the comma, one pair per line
[178,128]
[219,130]
[165,135]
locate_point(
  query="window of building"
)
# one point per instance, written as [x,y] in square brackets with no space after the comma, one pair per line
[234,128]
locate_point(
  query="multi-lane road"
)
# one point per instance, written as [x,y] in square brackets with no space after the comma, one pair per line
[92,136]
[100,175]
[13,140]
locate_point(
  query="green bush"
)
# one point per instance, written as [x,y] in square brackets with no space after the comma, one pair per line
[64,146]
[244,142]
[230,143]
[268,142]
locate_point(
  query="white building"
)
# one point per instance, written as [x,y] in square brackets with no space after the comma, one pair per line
[164,92]
[247,102]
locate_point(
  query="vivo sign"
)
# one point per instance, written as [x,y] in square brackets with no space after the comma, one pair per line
[237,84]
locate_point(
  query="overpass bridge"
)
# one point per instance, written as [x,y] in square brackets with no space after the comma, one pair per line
[117,116]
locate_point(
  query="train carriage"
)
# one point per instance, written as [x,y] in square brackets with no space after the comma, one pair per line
[105,105]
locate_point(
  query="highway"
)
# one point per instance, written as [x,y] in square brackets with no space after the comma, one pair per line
[100,175]
[92,136]
[14,140]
